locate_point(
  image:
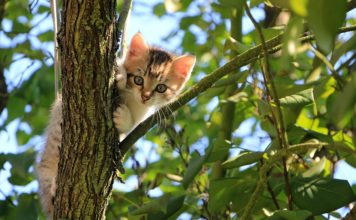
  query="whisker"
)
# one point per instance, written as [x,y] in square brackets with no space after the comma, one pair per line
[165,118]
[169,109]
[160,118]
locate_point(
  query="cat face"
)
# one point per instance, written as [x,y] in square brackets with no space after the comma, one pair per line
[155,77]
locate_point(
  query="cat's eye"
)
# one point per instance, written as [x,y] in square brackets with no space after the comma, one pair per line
[138,80]
[161,88]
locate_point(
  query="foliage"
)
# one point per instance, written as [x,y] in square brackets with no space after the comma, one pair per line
[314,84]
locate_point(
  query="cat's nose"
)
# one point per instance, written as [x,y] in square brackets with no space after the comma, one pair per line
[145,96]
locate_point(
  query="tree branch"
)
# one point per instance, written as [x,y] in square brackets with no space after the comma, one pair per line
[57,66]
[121,25]
[239,61]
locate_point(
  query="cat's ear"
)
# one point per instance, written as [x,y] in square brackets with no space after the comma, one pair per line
[138,47]
[183,65]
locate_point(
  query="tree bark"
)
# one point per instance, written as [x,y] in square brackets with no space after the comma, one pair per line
[4,95]
[85,174]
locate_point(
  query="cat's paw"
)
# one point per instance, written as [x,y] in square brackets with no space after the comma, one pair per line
[123,119]
[121,78]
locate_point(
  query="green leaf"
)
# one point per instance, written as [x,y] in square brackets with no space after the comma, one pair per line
[20,167]
[194,166]
[22,137]
[300,7]
[221,192]
[343,48]
[263,107]
[173,206]
[238,97]
[43,9]
[344,104]
[224,191]
[321,195]
[189,40]
[235,45]
[230,3]
[185,22]
[316,168]
[291,44]
[157,205]
[46,36]
[232,79]
[267,33]
[291,37]
[15,107]
[333,15]
[25,209]
[290,215]
[219,150]
[299,99]
[159,9]
[20,27]
[242,159]
[278,3]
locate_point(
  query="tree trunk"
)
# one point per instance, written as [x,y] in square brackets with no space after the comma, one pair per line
[85,174]
[4,95]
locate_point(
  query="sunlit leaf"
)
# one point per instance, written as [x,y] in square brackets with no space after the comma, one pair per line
[300,7]
[299,99]
[316,168]
[344,105]
[242,159]
[238,97]
[333,14]
[321,195]
[232,44]
[172,5]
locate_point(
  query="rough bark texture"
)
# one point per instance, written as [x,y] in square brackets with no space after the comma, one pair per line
[85,176]
[4,95]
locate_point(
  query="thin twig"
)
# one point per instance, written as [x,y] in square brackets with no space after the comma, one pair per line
[54,12]
[271,90]
[270,190]
[340,81]
[239,61]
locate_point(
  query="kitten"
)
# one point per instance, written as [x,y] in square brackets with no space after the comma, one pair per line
[148,78]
